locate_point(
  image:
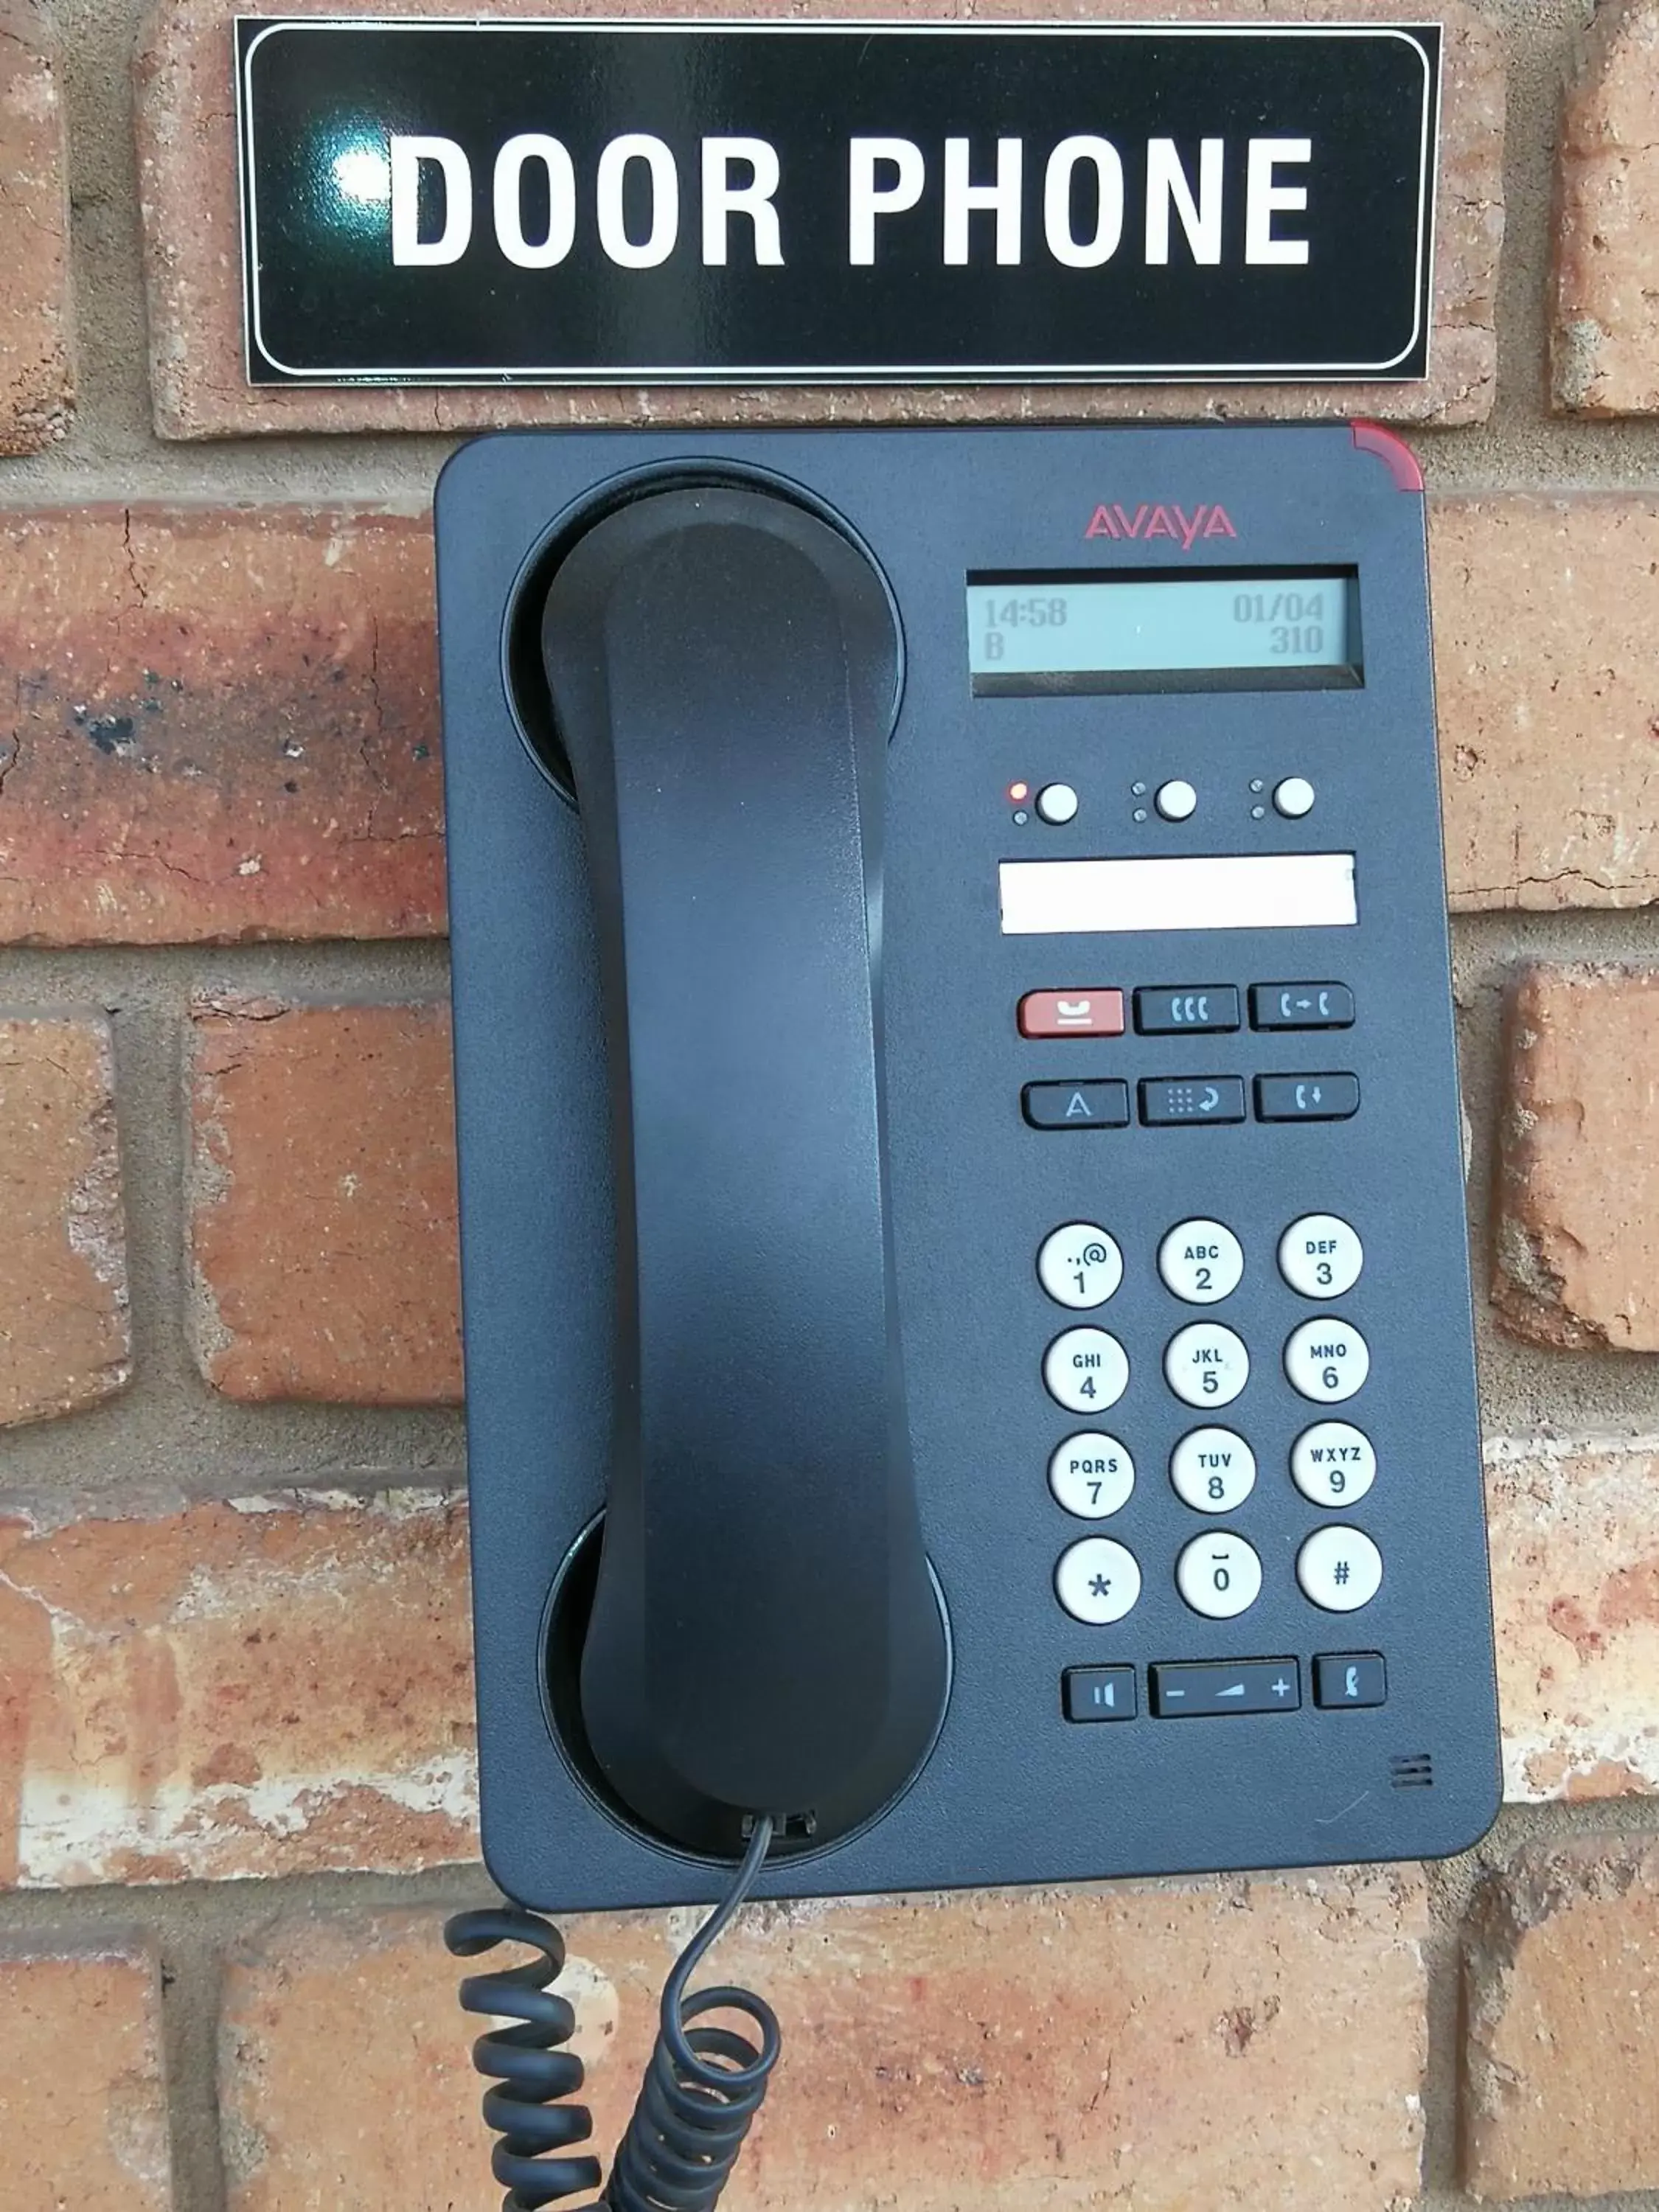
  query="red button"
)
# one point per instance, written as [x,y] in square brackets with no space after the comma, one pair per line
[1082,1012]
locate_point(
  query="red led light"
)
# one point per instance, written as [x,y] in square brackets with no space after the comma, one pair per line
[1018,791]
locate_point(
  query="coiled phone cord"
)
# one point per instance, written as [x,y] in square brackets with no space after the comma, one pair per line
[702,2086]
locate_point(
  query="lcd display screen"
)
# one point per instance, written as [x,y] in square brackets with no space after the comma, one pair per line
[1233,631]
[1226,890]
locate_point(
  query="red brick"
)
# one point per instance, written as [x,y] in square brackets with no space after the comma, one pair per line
[36,384]
[1563,1997]
[64,1336]
[1548,698]
[1575,1567]
[224,726]
[281,1685]
[1576,1231]
[187,158]
[323,1234]
[83,2119]
[1605,339]
[1255,2042]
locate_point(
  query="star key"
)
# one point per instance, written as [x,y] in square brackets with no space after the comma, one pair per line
[1101,1586]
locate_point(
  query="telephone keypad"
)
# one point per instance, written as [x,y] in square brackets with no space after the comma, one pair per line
[1091,1475]
[1212,1470]
[1206,1365]
[1097,1581]
[1326,1360]
[1085,1370]
[1079,1265]
[1200,1261]
[1220,1575]
[1339,1569]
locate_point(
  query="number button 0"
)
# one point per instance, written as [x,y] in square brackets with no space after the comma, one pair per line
[1206,1365]
[1333,1463]
[1212,1470]
[1085,1370]
[1200,1261]
[1326,1360]
[1321,1257]
[1091,1475]
[1219,1576]
[1097,1581]
[1079,1265]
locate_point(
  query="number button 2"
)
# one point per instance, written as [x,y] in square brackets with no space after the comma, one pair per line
[1200,1261]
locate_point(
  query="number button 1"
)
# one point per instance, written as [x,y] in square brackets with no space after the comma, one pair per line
[1200,1261]
[1079,1265]
[1219,1576]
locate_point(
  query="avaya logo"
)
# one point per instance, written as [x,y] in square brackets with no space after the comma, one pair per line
[1160,521]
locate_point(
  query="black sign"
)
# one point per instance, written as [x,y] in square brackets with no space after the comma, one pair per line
[468,203]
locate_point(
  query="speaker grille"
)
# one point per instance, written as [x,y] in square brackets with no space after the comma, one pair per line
[1412,1769]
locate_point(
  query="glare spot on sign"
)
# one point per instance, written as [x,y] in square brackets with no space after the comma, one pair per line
[363,175]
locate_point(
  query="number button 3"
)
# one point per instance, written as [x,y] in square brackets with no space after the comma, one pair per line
[1321,1257]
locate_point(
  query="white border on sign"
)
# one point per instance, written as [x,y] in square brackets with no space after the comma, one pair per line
[867,373]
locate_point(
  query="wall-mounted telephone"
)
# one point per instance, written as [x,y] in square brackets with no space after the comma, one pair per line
[967,1334]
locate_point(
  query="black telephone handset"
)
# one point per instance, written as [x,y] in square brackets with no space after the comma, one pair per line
[725,668]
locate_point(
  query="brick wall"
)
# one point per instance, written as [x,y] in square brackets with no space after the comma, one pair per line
[236,1780]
